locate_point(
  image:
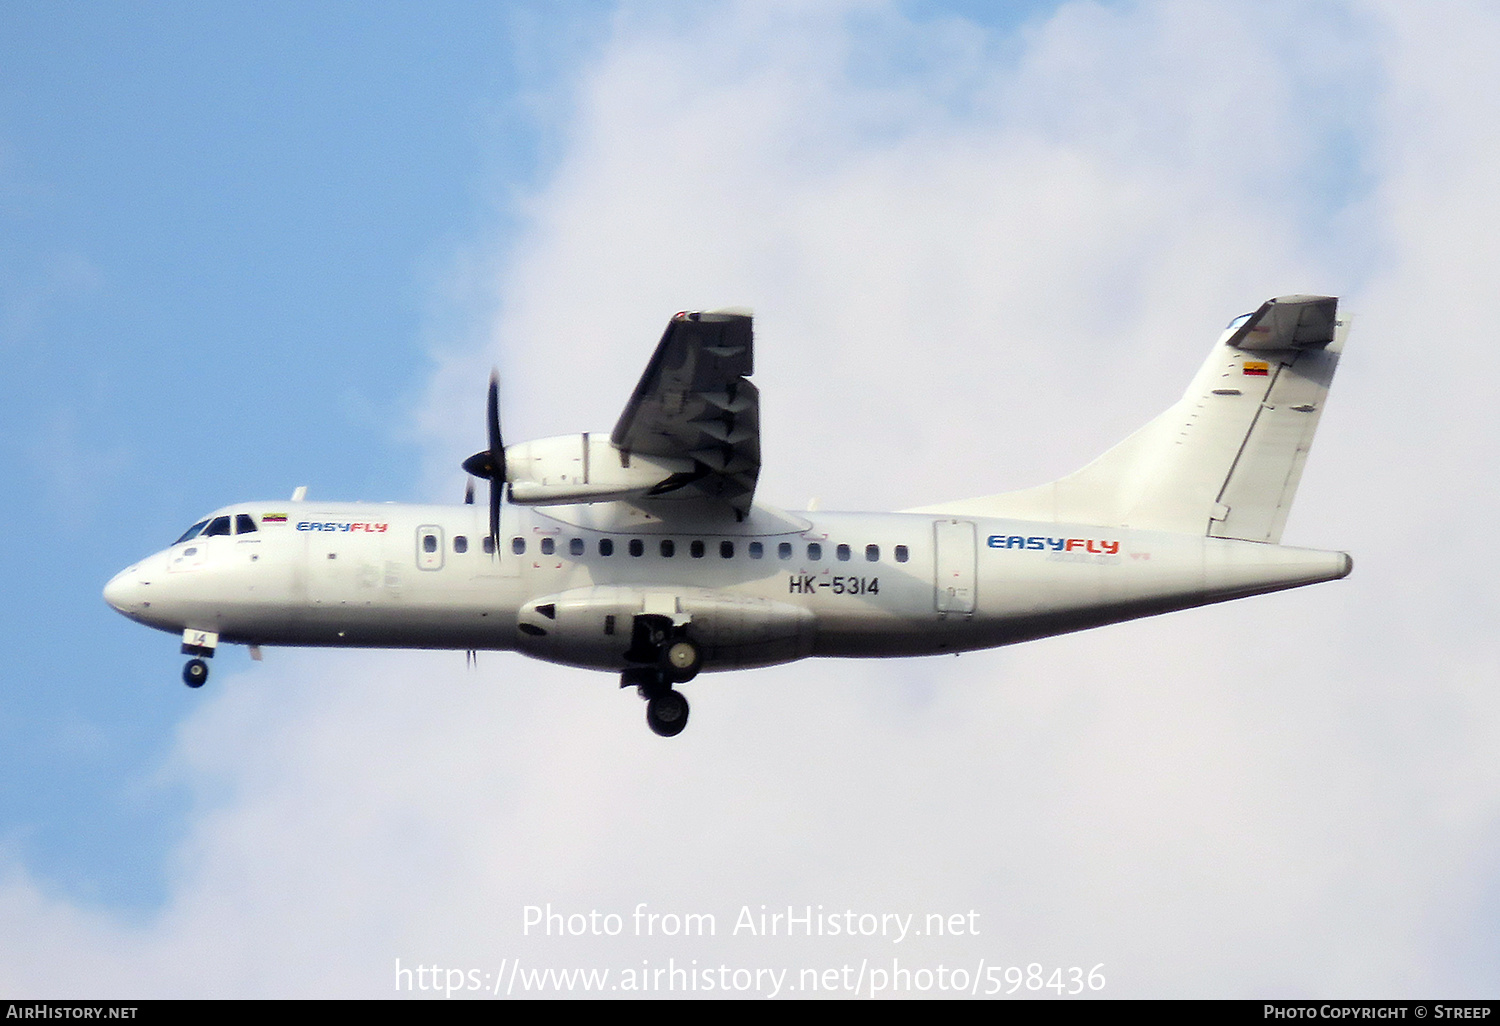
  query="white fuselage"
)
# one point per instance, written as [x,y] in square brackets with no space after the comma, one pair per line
[568,580]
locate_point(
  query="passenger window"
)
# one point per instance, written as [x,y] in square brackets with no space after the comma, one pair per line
[575,546]
[668,548]
[460,543]
[901,554]
[489,545]
[244,523]
[872,553]
[696,549]
[726,549]
[191,532]
[757,550]
[219,526]
[518,546]
[814,550]
[784,550]
[606,547]
[429,543]
[548,546]
[637,547]
[843,553]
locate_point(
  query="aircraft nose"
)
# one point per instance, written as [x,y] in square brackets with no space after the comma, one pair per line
[123,591]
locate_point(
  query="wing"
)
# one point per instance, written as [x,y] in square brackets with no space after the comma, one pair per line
[695,402]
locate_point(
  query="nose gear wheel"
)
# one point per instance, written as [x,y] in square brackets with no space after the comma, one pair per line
[195,673]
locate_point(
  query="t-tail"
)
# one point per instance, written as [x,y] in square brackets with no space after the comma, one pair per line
[1224,461]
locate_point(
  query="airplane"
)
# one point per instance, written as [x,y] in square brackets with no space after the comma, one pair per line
[644,553]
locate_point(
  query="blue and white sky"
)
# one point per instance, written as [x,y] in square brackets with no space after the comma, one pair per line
[246,248]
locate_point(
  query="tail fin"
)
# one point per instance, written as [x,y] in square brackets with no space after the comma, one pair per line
[1225,461]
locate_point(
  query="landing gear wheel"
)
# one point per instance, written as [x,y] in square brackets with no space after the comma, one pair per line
[667,713]
[195,673]
[681,659]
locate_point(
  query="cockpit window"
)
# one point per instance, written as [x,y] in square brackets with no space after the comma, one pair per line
[244,523]
[1241,319]
[219,525]
[191,532]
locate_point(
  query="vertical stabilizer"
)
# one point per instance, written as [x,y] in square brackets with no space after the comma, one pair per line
[1258,493]
[1226,459]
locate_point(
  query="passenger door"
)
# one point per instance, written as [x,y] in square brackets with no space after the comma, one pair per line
[953,574]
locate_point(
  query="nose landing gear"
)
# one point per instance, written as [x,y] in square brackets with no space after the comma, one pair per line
[200,645]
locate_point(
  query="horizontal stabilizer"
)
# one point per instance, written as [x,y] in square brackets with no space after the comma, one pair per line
[1291,322]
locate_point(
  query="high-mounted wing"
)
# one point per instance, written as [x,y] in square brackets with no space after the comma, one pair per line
[695,402]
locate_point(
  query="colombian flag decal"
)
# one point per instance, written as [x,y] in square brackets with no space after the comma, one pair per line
[1257,369]
[273,518]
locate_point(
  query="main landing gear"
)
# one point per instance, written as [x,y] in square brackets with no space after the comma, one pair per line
[669,657]
[666,709]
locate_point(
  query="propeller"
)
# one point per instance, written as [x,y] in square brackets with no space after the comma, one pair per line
[490,463]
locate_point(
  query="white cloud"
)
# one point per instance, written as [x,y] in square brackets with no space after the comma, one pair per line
[971,273]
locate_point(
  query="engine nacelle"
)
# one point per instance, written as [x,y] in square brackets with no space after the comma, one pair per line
[582,468]
[591,627]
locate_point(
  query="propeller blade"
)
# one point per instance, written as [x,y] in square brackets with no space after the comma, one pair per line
[497,444]
[490,463]
[496,460]
[469,493]
[494,413]
[495,487]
